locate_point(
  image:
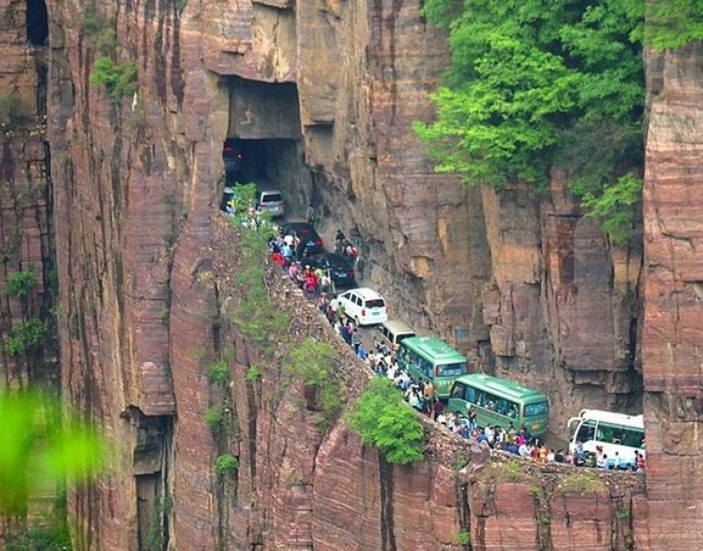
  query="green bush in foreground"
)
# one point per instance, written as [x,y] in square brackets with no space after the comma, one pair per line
[385,421]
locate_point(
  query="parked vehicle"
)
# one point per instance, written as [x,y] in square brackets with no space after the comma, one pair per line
[500,402]
[431,358]
[612,432]
[392,332]
[271,201]
[365,306]
[310,240]
[340,268]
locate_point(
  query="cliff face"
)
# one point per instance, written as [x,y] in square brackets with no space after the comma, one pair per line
[673,325]
[527,286]
[26,244]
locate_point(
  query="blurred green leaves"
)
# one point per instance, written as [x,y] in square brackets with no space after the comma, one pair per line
[41,445]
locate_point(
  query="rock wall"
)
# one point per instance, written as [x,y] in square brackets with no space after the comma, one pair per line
[528,287]
[673,326]
[26,244]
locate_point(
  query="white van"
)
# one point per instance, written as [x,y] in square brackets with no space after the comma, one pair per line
[393,331]
[365,306]
[271,201]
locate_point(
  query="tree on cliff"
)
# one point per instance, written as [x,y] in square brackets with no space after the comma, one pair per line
[384,421]
[537,84]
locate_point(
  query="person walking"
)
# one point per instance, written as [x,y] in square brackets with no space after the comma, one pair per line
[356,340]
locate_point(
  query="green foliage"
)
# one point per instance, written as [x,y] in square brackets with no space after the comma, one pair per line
[214,419]
[119,79]
[614,205]
[226,465]
[25,336]
[39,442]
[155,536]
[385,421]
[230,353]
[581,481]
[52,537]
[507,471]
[253,373]
[11,111]
[622,513]
[256,315]
[534,84]
[164,315]
[99,32]
[19,284]
[314,363]
[218,372]
[667,25]
[463,537]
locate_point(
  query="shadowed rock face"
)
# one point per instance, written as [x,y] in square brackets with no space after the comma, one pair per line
[527,286]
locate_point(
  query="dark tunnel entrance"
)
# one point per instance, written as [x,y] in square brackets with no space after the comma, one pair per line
[264,141]
[37,23]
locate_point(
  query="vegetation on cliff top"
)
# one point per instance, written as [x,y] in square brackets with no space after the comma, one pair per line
[539,84]
[385,421]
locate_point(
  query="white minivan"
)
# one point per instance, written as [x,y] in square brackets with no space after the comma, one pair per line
[271,201]
[365,306]
[394,331]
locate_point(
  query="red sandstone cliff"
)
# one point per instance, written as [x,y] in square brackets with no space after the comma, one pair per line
[529,288]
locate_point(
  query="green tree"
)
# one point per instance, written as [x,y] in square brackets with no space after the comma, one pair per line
[385,421]
[314,363]
[19,284]
[25,336]
[226,465]
[667,24]
[535,84]
[119,79]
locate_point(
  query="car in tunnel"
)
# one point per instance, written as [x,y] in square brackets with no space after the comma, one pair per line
[340,268]
[310,240]
[232,156]
[271,201]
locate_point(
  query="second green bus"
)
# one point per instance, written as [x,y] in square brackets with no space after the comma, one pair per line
[500,402]
[431,358]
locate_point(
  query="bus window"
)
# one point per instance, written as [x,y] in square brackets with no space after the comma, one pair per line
[458,390]
[586,431]
[471,394]
[424,367]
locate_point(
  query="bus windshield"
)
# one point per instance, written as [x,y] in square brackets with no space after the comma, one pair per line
[539,408]
[451,370]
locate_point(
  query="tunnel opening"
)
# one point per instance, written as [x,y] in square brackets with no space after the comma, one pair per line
[37,23]
[264,143]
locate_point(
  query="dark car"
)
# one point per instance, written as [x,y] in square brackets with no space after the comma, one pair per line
[340,268]
[232,156]
[310,240]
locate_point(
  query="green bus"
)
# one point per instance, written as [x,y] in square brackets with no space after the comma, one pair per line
[431,358]
[500,402]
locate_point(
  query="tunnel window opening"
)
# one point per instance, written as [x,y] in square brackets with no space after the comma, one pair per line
[37,23]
